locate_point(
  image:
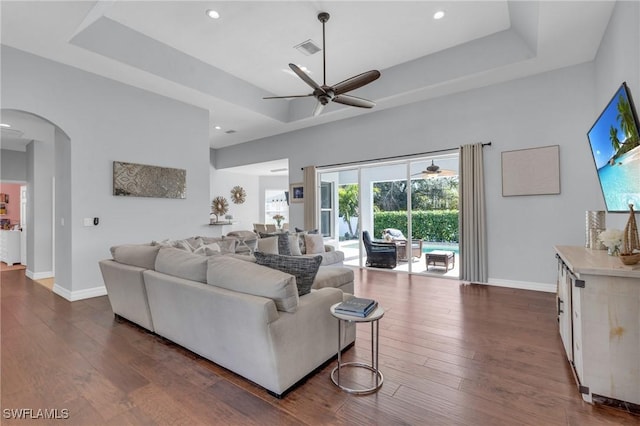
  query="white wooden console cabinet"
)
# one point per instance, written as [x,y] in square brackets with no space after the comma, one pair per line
[10,246]
[599,318]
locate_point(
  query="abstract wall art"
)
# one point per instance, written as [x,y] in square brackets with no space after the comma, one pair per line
[141,180]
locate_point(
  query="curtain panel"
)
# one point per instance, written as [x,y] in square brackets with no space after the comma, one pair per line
[310,197]
[473,232]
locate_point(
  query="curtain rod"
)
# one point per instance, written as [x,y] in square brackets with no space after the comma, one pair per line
[397,157]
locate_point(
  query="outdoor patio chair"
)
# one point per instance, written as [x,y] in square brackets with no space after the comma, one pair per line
[401,242]
[380,255]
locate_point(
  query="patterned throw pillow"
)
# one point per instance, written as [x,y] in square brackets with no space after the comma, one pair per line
[283,242]
[303,268]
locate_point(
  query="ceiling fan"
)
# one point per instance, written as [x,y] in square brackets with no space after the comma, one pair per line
[434,170]
[335,93]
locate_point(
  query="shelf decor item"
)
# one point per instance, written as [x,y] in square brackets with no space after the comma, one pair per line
[219,206]
[238,195]
[612,238]
[630,252]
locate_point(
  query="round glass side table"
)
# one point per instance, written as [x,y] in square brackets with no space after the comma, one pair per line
[373,319]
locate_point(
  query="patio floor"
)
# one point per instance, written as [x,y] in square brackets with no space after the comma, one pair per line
[418,265]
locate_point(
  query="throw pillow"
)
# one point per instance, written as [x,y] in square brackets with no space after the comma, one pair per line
[283,242]
[314,243]
[208,249]
[294,244]
[268,245]
[303,268]
[312,231]
[227,245]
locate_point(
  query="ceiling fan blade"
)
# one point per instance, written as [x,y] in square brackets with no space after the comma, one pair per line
[305,77]
[354,101]
[318,109]
[287,97]
[356,82]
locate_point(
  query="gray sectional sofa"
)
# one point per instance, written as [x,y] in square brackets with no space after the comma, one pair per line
[226,308]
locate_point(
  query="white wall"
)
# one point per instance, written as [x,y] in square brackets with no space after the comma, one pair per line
[548,109]
[107,121]
[618,60]
[245,214]
[40,174]
[13,166]
[555,108]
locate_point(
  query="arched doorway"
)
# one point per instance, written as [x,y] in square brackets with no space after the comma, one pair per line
[36,152]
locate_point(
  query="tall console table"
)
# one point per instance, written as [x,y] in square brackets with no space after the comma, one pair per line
[598,304]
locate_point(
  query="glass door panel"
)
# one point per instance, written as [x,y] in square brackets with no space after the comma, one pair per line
[434,213]
[384,212]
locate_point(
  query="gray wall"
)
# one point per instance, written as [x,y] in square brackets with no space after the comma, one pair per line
[13,166]
[555,108]
[107,121]
[40,174]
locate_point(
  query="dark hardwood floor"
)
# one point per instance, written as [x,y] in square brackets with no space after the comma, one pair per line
[450,354]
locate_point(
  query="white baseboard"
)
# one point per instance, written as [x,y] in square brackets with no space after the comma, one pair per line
[73,296]
[523,285]
[38,275]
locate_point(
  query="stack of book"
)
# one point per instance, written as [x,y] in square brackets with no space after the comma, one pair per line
[357,307]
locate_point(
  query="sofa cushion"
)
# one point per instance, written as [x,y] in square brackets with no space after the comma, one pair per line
[268,245]
[182,264]
[314,244]
[283,242]
[303,268]
[250,278]
[140,255]
[334,277]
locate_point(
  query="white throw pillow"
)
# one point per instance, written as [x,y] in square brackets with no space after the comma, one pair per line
[208,249]
[268,245]
[294,243]
[314,243]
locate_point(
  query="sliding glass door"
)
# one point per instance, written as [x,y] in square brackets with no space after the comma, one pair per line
[411,204]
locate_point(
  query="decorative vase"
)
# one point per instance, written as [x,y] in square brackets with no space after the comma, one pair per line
[278,224]
[613,250]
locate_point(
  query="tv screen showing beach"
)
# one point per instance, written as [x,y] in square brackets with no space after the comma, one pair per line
[615,146]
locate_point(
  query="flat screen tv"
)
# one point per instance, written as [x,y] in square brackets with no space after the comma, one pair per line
[615,146]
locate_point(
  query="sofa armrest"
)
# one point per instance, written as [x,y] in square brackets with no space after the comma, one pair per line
[126,292]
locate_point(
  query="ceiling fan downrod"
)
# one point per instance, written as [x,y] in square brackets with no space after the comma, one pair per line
[324,17]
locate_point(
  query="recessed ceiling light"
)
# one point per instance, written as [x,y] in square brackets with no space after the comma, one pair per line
[212,14]
[438,15]
[5,125]
[217,127]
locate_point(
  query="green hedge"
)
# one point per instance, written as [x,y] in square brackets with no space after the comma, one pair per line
[436,225]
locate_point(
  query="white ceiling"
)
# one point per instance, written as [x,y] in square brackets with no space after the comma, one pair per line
[227,65]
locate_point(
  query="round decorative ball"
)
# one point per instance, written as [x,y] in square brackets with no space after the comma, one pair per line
[238,195]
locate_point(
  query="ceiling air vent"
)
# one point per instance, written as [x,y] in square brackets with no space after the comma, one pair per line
[229,132]
[308,47]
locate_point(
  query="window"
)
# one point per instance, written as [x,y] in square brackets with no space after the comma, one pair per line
[326,208]
[275,202]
